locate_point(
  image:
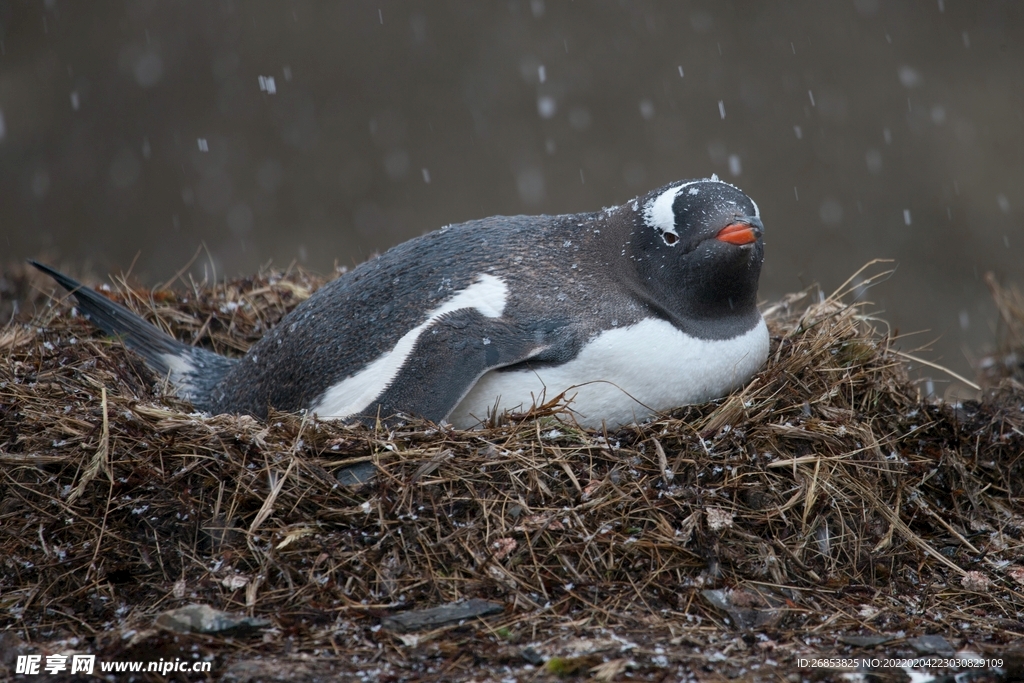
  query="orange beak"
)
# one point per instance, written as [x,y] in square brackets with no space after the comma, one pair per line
[737,233]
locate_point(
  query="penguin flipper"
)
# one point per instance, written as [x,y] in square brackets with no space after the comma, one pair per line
[192,371]
[451,356]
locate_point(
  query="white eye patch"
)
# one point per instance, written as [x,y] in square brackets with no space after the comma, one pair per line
[660,215]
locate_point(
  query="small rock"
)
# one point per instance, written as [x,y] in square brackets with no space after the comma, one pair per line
[748,610]
[975,581]
[205,619]
[718,519]
[933,644]
[356,475]
[234,581]
[418,620]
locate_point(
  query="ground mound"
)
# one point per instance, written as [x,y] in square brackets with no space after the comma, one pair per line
[825,509]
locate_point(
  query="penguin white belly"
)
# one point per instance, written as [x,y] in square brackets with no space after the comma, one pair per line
[625,375]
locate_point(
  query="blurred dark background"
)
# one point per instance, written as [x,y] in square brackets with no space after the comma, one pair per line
[132,133]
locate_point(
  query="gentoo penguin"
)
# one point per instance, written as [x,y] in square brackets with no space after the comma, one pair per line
[632,311]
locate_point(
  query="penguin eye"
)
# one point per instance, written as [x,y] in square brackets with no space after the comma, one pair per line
[670,238]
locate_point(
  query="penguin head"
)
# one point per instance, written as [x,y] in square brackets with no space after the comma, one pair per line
[699,246]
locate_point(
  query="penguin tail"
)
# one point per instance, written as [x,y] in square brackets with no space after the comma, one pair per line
[194,373]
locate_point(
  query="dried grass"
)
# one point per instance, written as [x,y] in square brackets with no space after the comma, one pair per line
[1008,360]
[824,498]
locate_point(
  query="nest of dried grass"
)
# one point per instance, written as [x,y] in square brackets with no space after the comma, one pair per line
[826,497]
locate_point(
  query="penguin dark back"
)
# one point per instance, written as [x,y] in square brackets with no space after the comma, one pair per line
[630,311]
